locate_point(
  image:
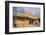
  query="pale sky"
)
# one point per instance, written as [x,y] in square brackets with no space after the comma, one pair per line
[31,10]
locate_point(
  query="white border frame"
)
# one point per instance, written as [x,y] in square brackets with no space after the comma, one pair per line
[11,29]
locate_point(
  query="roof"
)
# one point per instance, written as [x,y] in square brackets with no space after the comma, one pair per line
[23,14]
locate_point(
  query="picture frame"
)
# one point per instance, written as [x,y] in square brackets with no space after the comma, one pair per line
[9,13]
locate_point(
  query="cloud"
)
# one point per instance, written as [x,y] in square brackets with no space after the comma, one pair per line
[32,11]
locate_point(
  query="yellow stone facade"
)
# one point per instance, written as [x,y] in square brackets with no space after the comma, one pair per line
[24,20]
[22,23]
